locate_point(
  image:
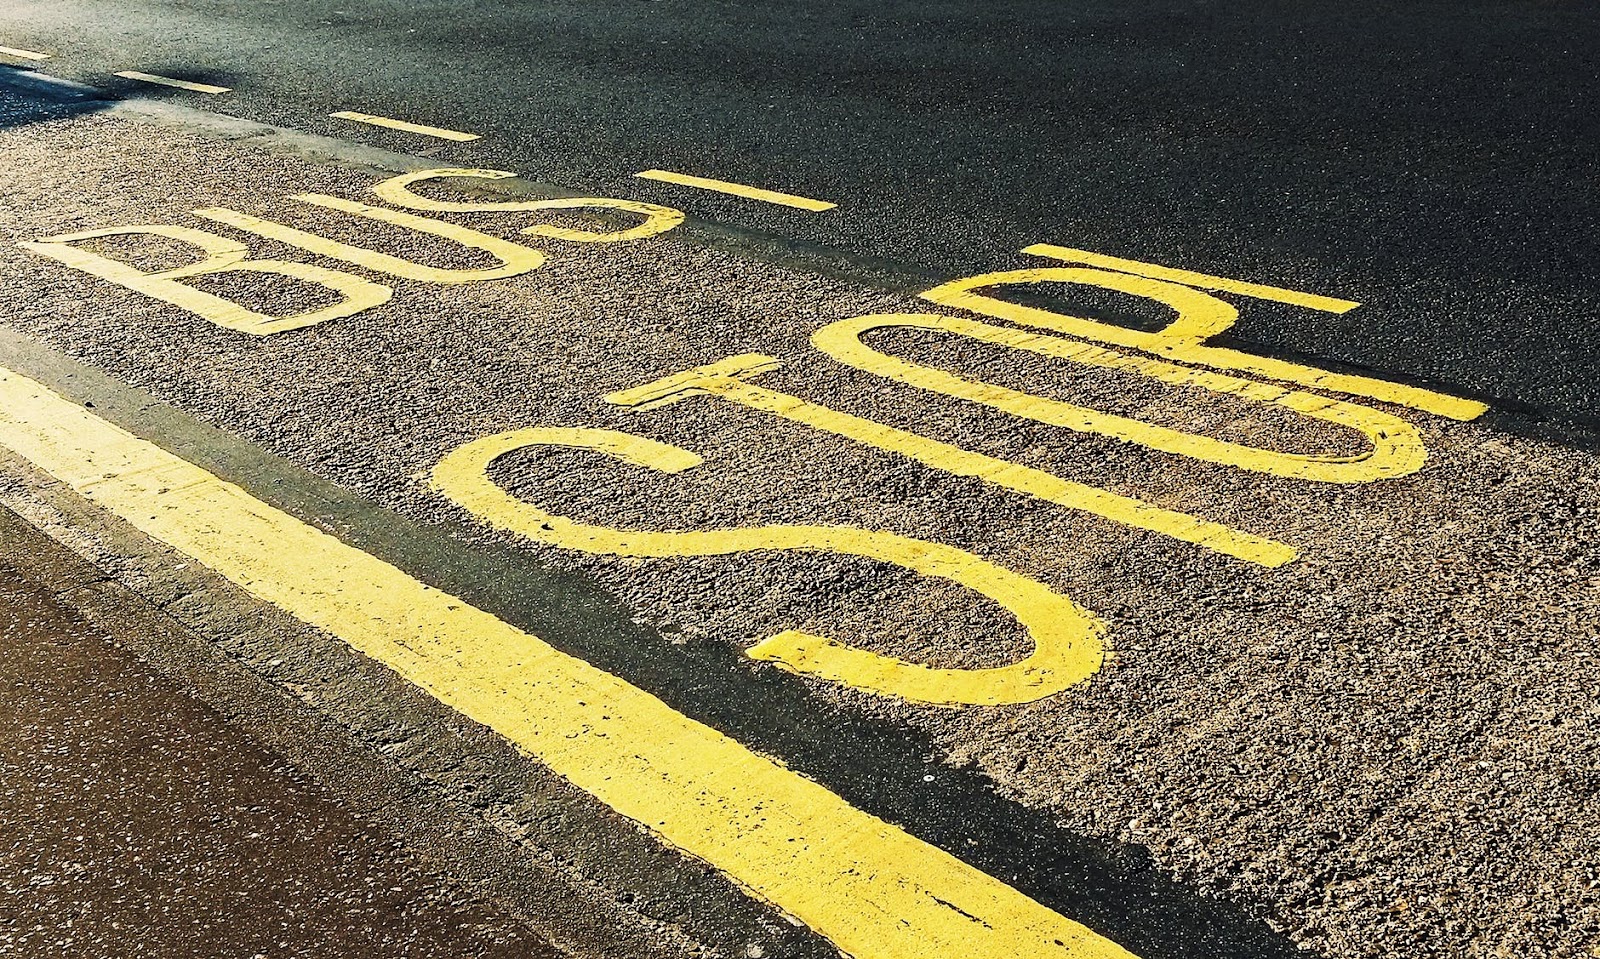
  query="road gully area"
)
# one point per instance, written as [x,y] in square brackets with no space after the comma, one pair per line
[559,574]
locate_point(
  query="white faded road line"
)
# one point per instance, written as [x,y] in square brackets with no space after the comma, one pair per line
[21,54]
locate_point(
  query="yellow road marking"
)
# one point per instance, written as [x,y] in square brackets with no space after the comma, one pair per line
[24,54]
[1200,316]
[1203,281]
[658,219]
[220,255]
[170,82]
[394,124]
[515,258]
[738,189]
[1066,637]
[869,887]
[1395,446]
[224,255]
[726,378]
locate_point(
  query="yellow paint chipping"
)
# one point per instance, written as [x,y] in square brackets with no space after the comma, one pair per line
[872,889]
[738,189]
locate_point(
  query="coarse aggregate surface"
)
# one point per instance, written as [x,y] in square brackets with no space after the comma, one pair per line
[1386,746]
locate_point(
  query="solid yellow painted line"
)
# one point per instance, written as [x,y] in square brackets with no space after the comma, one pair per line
[873,890]
[170,82]
[738,189]
[24,54]
[394,124]
[1203,281]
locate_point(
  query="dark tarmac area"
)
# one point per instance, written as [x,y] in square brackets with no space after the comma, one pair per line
[135,821]
[1429,159]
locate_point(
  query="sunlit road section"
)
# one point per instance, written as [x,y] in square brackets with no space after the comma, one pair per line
[799,480]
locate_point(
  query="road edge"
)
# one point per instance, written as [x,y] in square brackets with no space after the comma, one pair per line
[430,825]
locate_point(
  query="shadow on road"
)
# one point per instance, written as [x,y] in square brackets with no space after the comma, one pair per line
[27,96]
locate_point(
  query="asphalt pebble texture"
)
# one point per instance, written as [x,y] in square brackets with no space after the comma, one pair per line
[1387,747]
[1425,156]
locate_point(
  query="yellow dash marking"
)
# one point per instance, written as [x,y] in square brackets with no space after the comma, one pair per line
[872,889]
[24,54]
[394,124]
[1203,281]
[738,189]
[170,82]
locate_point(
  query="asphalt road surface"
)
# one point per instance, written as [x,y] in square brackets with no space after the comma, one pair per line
[792,564]
[1429,159]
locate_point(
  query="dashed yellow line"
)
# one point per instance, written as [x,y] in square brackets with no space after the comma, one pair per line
[873,890]
[738,189]
[394,124]
[23,54]
[170,82]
